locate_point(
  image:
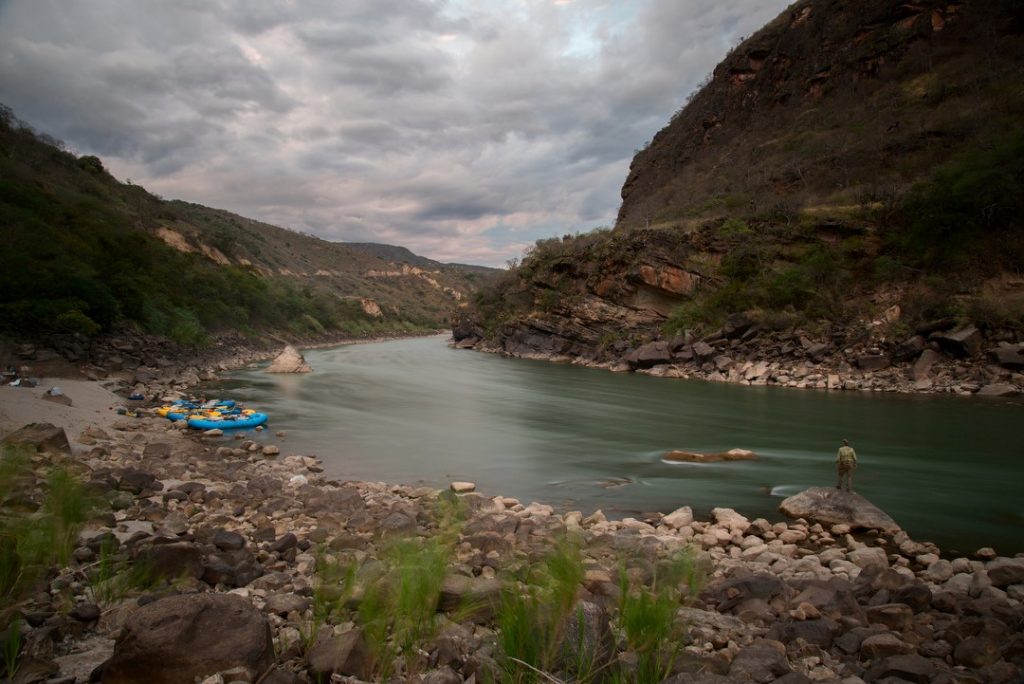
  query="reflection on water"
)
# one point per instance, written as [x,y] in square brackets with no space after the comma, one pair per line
[946,468]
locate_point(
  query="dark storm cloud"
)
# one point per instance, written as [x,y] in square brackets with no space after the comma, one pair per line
[462,130]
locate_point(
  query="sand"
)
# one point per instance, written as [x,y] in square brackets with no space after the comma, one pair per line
[91,404]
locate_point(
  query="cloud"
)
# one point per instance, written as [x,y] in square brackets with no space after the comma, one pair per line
[464,131]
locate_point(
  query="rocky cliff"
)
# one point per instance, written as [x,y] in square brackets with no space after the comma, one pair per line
[839,206]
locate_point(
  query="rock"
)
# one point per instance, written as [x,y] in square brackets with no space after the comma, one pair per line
[1006,571]
[910,667]
[909,349]
[680,517]
[179,638]
[923,365]
[999,389]
[172,561]
[895,616]
[282,604]
[587,644]
[703,351]
[884,645]
[41,437]
[827,506]
[653,354]
[763,660]
[870,363]
[462,487]
[271,450]
[965,342]
[679,456]
[1011,357]
[287,541]
[477,596]
[85,612]
[727,517]
[868,557]
[227,541]
[289,361]
[977,651]
[346,654]
[55,395]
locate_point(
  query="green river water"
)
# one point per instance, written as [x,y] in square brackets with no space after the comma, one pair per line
[947,469]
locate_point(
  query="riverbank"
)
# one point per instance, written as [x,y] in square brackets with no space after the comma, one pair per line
[216,515]
[939,358]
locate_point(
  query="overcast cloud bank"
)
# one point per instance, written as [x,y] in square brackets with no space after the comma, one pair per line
[461,130]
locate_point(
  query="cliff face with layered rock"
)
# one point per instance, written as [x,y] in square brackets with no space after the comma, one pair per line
[840,206]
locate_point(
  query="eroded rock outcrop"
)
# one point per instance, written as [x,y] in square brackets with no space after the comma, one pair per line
[832,506]
[289,361]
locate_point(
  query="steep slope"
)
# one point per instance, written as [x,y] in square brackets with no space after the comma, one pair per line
[844,194]
[84,253]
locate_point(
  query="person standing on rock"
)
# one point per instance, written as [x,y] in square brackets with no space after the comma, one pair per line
[846,463]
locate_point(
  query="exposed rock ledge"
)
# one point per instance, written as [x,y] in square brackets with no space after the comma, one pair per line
[289,361]
[679,456]
[830,506]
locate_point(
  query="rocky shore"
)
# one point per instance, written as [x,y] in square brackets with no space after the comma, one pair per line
[942,356]
[238,538]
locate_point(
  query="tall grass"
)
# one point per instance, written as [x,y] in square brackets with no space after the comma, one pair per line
[532,620]
[647,617]
[34,538]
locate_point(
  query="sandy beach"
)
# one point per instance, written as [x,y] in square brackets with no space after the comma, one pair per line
[91,404]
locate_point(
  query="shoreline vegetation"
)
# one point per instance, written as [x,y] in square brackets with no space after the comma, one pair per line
[126,530]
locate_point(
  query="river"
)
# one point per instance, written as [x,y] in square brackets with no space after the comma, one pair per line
[947,469]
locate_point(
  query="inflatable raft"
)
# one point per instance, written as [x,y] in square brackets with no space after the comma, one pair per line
[227,422]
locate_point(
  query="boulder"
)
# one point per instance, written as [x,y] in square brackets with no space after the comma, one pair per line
[1011,357]
[1004,572]
[680,456]
[41,437]
[963,342]
[180,638]
[478,597]
[828,506]
[345,654]
[923,365]
[653,354]
[289,361]
[999,389]
[873,362]
[764,660]
[679,517]
[909,349]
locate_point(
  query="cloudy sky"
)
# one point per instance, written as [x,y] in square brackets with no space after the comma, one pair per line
[463,130]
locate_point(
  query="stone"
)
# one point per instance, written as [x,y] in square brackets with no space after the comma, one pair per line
[271,450]
[55,395]
[227,541]
[727,517]
[172,561]
[85,612]
[462,487]
[681,517]
[287,541]
[895,616]
[964,342]
[909,349]
[653,354]
[703,351]
[282,604]
[977,651]
[868,557]
[1011,357]
[764,660]
[183,637]
[587,640]
[477,596]
[679,456]
[884,645]
[870,363]
[346,654]
[910,667]
[289,361]
[42,437]
[827,505]
[923,365]
[998,389]
[1006,571]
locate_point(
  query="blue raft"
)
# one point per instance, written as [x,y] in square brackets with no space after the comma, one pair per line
[227,422]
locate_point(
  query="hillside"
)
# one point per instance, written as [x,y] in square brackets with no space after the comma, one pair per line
[86,254]
[850,180]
